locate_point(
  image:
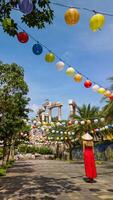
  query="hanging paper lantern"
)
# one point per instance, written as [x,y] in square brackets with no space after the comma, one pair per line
[22,37]
[57,138]
[95,121]
[76,122]
[6,23]
[37,49]
[88,121]
[96,22]
[69,133]
[87,84]
[57,131]
[111,96]
[106,127]
[101,90]
[78,78]
[102,119]
[82,122]
[95,88]
[107,93]
[26,6]
[70,71]
[69,123]
[66,138]
[60,65]
[49,57]
[72,16]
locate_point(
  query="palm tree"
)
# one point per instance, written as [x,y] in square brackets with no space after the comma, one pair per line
[108,108]
[87,114]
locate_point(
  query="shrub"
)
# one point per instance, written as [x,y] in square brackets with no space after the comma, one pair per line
[33,149]
[45,150]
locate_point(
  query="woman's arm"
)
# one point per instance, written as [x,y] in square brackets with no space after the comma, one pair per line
[83,146]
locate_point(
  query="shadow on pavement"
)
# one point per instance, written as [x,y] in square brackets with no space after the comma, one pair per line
[34,187]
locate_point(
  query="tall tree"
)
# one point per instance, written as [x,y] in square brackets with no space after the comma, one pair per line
[87,114]
[108,108]
[13,105]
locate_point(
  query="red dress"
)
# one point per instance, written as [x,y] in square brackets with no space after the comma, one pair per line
[89,162]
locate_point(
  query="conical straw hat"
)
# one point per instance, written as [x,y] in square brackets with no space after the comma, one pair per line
[87,136]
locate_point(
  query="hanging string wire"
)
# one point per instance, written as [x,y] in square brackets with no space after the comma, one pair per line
[82,8]
[59,58]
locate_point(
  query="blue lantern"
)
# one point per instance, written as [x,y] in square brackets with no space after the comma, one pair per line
[26,6]
[37,49]
[110,126]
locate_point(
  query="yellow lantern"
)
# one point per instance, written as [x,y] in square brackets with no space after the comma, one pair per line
[88,121]
[96,22]
[49,57]
[101,90]
[70,71]
[57,138]
[78,78]
[107,93]
[72,16]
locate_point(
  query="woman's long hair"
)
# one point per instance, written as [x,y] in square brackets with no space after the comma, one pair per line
[88,143]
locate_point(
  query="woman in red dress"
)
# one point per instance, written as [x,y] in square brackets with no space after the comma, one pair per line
[89,160]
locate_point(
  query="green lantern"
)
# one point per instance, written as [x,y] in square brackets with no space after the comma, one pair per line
[6,23]
[49,57]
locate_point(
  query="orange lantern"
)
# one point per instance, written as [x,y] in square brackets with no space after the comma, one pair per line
[107,93]
[78,78]
[72,16]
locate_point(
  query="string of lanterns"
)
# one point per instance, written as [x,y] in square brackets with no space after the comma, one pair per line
[72,16]
[109,126]
[89,121]
[50,57]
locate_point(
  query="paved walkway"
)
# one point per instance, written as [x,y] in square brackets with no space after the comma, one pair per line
[55,180]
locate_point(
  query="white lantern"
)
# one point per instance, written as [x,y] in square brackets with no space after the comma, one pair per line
[76,122]
[53,131]
[95,121]
[95,88]
[69,133]
[102,119]
[73,133]
[82,122]
[106,127]
[70,71]
[60,65]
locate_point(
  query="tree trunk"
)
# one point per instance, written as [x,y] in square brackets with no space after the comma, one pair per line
[70,154]
[5,153]
[11,153]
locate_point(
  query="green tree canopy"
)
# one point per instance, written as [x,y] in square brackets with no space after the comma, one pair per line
[13,102]
[41,15]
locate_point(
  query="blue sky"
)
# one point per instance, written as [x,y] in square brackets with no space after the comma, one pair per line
[90,53]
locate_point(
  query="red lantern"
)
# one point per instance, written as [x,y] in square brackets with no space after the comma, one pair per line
[87,84]
[69,123]
[111,96]
[22,37]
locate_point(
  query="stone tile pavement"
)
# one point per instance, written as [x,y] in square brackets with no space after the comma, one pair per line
[55,180]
